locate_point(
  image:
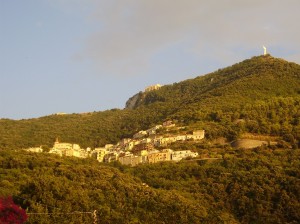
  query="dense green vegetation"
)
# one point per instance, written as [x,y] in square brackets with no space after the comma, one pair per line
[247,186]
[42,183]
[94,129]
[261,92]
[259,96]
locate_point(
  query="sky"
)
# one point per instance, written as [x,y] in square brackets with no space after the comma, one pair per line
[77,56]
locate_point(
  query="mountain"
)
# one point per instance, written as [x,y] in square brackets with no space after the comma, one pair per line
[258,78]
[258,97]
[263,92]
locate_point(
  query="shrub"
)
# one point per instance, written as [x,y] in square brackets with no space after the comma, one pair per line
[10,213]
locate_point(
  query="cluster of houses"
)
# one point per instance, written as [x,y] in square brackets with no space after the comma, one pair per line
[68,149]
[65,149]
[142,148]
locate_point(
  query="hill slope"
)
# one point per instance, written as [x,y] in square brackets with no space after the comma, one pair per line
[259,95]
[258,78]
[262,91]
[258,186]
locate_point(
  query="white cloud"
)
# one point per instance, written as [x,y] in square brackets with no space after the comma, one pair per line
[133,31]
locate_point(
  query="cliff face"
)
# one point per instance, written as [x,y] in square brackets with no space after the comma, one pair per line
[132,102]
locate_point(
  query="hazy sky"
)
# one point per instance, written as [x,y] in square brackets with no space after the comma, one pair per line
[91,55]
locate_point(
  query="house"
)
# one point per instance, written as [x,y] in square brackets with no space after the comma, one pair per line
[163,141]
[124,141]
[80,153]
[142,146]
[109,146]
[168,150]
[152,131]
[140,134]
[181,138]
[130,159]
[62,149]
[156,156]
[129,146]
[99,153]
[37,149]
[56,151]
[153,87]
[172,139]
[143,153]
[110,157]
[68,149]
[189,137]
[179,155]
[168,124]
[137,142]
[156,141]
[63,146]
[198,135]
[60,113]
[146,141]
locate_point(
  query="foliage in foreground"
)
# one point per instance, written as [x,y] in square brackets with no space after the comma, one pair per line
[10,212]
[252,186]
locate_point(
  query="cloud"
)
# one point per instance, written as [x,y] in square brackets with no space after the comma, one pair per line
[132,32]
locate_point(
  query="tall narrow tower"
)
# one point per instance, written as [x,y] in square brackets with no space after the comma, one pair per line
[265,50]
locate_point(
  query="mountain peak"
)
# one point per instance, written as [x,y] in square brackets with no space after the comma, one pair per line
[260,76]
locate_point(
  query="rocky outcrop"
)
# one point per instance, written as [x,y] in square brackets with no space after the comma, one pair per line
[132,102]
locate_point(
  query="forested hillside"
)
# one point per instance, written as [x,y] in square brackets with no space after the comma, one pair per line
[245,186]
[263,93]
[259,97]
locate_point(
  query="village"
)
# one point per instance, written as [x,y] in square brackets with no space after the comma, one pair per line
[141,148]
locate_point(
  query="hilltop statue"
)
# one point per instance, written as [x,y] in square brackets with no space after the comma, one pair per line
[265,50]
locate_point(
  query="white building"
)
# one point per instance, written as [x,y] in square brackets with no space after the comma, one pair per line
[179,155]
[181,138]
[99,153]
[131,160]
[159,156]
[153,87]
[198,135]
[68,149]
[37,149]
